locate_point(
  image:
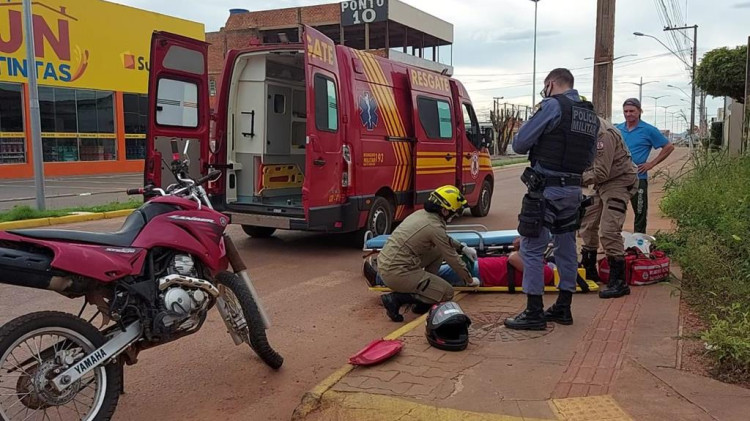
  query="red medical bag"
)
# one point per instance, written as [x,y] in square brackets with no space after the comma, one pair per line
[640,268]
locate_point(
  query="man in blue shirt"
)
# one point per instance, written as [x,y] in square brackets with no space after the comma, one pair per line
[641,138]
[561,141]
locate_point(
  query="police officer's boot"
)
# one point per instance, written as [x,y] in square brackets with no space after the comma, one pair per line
[393,302]
[588,261]
[560,311]
[530,319]
[617,287]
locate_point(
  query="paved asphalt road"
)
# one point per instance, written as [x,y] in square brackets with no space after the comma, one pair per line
[66,192]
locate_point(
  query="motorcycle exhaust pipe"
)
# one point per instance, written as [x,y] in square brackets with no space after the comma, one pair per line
[241,270]
[33,270]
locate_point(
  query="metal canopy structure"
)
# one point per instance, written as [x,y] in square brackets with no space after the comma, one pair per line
[385,25]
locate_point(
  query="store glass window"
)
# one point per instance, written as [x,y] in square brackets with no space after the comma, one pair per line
[77,124]
[136,109]
[12,138]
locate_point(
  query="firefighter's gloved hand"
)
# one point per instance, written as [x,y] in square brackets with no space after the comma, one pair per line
[469,252]
[475,282]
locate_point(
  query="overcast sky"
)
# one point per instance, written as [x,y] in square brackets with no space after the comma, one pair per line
[493,42]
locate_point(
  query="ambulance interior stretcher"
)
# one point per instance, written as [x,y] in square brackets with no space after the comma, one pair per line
[487,243]
[266,133]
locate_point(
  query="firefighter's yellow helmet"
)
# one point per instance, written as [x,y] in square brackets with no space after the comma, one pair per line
[448,197]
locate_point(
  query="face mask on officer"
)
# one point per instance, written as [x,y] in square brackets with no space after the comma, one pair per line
[547,90]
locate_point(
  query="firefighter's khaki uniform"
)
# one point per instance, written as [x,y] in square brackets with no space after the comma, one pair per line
[615,179]
[412,256]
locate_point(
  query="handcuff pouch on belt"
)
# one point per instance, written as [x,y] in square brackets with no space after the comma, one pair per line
[531,218]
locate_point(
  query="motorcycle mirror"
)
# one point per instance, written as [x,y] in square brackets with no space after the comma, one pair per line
[175,150]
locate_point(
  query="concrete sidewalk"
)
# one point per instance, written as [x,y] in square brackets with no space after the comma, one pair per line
[618,361]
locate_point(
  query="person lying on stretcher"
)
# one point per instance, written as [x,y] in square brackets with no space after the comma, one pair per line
[492,271]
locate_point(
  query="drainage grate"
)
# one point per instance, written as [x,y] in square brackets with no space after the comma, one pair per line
[488,327]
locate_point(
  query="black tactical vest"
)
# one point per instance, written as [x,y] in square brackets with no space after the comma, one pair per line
[571,146]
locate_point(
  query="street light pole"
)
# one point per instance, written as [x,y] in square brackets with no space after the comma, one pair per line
[681,90]
[656,103]
[35,119]
[666,107]
[533,77]
[692,76]
[640,87]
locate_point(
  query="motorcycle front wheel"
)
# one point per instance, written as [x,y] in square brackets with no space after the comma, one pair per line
[241,304]
[34,349]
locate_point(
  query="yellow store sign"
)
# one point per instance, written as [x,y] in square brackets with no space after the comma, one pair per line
[84,43]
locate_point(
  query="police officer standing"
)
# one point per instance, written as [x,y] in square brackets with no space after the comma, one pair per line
[411,258]
[560,139]
[615,180]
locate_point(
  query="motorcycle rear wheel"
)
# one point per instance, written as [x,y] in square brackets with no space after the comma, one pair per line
[31,351]
[239,298]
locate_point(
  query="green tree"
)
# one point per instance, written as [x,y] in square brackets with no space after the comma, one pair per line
[722,72]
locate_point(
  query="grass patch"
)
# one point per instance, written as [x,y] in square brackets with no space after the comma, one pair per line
[710,204]
[508,161]
[19,213]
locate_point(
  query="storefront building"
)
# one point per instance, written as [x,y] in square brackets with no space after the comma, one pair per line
[92,68]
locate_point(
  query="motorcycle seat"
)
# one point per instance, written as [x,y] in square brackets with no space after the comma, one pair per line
[133,225]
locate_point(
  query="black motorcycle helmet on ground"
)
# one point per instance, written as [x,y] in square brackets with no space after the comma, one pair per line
[448,327]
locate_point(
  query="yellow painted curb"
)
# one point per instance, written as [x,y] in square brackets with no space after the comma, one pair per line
[371,407]
[68,219]
[117,214]
[26,223]
[311,399]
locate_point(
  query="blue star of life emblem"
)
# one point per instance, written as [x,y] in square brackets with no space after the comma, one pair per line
[368,111]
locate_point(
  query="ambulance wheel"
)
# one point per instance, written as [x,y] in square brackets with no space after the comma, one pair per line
[380,217]
[485,200]
[258,232]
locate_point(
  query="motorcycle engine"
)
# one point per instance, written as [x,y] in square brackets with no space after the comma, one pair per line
[182,299]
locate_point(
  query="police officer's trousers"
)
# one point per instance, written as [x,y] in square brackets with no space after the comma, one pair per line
[426,286]
[605,217]
[566,256]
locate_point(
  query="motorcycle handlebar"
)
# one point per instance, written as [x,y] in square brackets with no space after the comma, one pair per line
[131,192]
[212,174]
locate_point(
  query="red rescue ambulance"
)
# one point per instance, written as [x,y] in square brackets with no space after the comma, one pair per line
[315,136]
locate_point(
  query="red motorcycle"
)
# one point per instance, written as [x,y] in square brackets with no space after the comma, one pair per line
[153,282]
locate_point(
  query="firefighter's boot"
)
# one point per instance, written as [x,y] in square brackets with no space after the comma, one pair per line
[588,262]
[393,302]
[420,307]
[617,287]
[530,319]
[559,312]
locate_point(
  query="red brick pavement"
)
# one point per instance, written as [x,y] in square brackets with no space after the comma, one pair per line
[598,356]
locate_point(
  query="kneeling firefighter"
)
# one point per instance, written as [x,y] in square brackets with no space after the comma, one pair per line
[411,257]
[561,141]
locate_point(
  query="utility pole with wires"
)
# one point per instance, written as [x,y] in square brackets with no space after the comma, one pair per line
[604,58]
